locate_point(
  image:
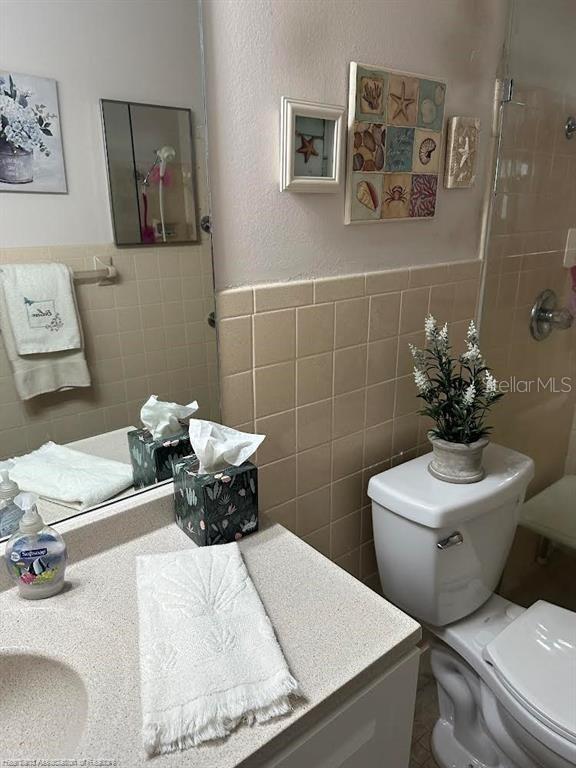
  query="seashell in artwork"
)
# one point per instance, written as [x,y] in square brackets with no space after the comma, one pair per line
[378,133]
[366,195]
[379,158]
[369,165]
[357,139]
[368,141]
[357,162]
[425,151]
[428,110]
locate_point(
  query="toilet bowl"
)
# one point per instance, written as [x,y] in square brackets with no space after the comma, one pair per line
[506,675]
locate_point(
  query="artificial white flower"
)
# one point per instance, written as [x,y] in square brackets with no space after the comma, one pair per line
[490,383]
[418,355]
[443,338]
[430,327]
[472,354]
[469,394]
[472,334]
[422,382]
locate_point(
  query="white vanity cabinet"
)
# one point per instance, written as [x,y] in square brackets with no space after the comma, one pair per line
[371,729]
[354,654]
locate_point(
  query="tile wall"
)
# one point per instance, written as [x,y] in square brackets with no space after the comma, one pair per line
[323,368]
[535,204]
[145,334]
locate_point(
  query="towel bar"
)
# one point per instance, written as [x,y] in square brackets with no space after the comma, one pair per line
[104,273]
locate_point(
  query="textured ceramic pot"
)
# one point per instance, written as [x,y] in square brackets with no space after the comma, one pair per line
[16,165]
[457,462]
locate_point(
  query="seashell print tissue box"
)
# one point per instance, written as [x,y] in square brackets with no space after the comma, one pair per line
[215,508]
[151,459]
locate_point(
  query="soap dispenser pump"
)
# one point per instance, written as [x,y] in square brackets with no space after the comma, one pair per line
[36,553]
[10,513]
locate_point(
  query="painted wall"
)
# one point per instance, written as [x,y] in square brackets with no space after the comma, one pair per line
[140,51]
[259,50]
[542,44]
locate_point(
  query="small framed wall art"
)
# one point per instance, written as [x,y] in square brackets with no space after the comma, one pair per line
[31,155]
[395,123]
[311,146]
[461,152]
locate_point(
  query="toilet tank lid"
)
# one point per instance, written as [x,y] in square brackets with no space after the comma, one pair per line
[412,492]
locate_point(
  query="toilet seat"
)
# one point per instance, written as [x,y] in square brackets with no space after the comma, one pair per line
[516,682]
[534,657]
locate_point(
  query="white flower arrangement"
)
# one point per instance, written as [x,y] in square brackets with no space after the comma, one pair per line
[23,126]
[458,393]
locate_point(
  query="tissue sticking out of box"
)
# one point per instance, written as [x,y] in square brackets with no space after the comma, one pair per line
[165,419]
[217,447]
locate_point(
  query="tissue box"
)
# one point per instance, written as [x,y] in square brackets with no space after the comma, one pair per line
[215,508]
[151,459]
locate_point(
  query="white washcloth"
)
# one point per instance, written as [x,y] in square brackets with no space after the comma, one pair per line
[36,374]
[41,307]
[209,658]
[70,477]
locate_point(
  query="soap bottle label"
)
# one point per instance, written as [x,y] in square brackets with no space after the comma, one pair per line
[10,516]
[36,566]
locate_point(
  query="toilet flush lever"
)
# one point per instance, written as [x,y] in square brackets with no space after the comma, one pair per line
[450,541]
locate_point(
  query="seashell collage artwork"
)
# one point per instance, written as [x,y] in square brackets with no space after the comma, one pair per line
[395,123]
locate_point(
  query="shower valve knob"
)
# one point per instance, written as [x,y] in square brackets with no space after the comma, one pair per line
[546,316]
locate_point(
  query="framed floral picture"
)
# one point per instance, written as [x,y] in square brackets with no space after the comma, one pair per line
[311,146]
[31,156]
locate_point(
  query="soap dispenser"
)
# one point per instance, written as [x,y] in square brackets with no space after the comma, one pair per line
[36,553]
[10,513]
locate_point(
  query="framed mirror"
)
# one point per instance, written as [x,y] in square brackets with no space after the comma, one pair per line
[150,162]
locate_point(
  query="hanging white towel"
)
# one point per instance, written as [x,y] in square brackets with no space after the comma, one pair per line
[41,307]
[36,374]
[209,658]
[70,477]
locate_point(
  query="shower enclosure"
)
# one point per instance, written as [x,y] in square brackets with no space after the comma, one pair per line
[532,209]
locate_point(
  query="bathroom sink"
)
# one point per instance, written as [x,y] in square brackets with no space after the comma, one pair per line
[35,690]
[55,681]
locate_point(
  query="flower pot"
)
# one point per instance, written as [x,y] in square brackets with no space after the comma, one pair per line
[457,462]
[16,165]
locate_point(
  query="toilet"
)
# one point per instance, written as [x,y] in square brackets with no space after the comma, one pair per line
[506,675]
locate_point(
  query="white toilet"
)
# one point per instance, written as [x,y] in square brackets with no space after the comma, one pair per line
[506,675]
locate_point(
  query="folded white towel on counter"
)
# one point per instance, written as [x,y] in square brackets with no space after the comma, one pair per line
[70,477]
[209,658]
[36,374]
[41,307]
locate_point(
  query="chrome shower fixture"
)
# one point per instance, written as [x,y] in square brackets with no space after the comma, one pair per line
[570,127]
[546,316]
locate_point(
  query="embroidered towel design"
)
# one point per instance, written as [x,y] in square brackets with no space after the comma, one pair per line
[41,307]
[209,658]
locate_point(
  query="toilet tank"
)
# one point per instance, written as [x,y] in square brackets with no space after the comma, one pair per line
[441,547]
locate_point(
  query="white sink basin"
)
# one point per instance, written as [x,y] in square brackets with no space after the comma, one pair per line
[38,689]
[55,681]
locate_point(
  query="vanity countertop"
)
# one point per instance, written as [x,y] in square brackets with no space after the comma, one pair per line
[335,632]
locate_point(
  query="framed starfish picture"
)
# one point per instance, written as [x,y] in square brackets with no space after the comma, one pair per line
[395,123]
[311,146]
[461,152]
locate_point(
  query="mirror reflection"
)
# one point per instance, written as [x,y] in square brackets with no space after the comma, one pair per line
[150,173]
[90,330]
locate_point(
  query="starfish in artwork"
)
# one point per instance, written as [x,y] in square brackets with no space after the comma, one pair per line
[464,151]
[402,103]
[307,148]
